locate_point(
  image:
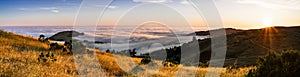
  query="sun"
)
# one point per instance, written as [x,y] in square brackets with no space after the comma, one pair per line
[267,22]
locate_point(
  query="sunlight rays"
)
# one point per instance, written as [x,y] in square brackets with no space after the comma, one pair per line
[269,36]
[268,32]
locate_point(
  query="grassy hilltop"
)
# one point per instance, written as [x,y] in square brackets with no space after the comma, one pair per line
[19,56]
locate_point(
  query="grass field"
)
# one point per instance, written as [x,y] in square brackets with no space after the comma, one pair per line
[19,56]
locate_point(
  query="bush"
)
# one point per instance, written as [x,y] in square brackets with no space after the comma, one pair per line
[145,60]
[285,64]
[55,46]
[169,64]
[49,57]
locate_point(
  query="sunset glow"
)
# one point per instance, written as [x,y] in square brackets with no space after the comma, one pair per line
[156,38]
[267,22]
[243,14]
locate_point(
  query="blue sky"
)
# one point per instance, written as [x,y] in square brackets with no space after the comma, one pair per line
[234,13]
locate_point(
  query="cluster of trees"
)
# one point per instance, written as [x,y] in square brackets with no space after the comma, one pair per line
[285,64]
[67,47]
[131,52]
[43,38]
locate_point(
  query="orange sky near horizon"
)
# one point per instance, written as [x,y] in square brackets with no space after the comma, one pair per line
[242,14]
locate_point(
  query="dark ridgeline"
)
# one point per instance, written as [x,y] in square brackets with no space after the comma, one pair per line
[65,35]
[244,47]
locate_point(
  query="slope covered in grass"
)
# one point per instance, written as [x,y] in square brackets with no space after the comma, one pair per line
[20,43]
[19,56]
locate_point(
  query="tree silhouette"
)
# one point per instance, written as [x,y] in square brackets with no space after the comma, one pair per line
[133,52]
[107,51]
[41,38]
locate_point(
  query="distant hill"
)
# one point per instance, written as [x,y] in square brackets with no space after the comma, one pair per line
[228,31]
[65,35]
[246,46]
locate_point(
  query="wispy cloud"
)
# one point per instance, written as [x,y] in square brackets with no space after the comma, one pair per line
[23,9]
[153,1]
[274,4]
[47,8]
[112,7]
[184,2]
[55,11]
[50,9]
[107,6]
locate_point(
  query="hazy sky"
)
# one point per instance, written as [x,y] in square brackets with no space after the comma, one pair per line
[234,13]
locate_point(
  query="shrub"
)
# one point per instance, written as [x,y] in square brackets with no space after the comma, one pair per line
[49,57]
[169,64]
[55,46]
[203,64]
[145,60]
[285,64]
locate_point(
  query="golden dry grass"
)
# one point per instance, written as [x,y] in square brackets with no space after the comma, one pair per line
[19,58]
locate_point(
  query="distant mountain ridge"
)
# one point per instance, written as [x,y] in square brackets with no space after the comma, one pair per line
[65,35]
[228,31]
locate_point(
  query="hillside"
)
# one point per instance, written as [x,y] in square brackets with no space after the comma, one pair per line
[19,56]
[245,46]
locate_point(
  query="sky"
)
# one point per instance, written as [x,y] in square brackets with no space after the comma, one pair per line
[243,14]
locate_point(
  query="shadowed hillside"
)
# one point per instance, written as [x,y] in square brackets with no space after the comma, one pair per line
[245,46]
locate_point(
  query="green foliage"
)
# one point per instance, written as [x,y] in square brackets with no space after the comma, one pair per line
[285,64]
[49,57]
[169,64]
[146,60]
[203,64]
[55,46]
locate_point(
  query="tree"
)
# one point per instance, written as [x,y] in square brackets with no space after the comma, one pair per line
[107,51]
[55,46]
[132,53]
[41,38]
[145,60]
[194,38]
[68,44]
